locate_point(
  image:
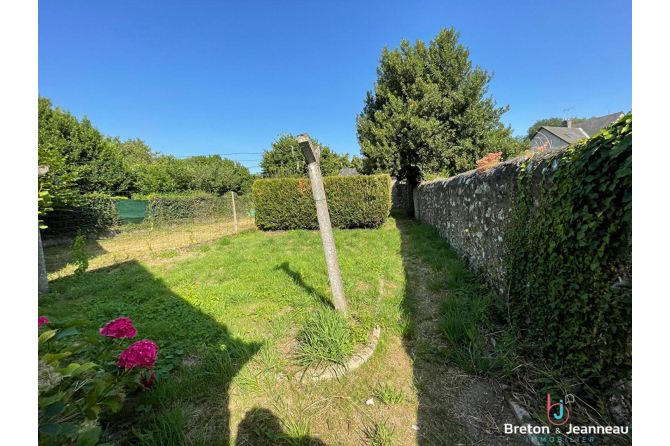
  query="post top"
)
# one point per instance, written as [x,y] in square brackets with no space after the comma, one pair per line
[304,137]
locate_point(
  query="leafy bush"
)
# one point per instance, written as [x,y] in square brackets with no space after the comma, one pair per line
[353,202]
[79,380]
[326,337]
[93,214]
[80,256]
[565,249]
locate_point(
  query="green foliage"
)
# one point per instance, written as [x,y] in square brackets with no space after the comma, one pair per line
[428,114]
[354,201]
[80,256]
[565,248]
[285,160]
[78,382]
[175,206]
[93,214]
[549,122]
[82,160]
[325,338]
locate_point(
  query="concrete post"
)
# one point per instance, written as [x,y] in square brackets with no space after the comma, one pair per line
[42,282]
[312,155]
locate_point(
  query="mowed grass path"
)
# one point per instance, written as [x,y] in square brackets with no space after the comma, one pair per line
[225,316]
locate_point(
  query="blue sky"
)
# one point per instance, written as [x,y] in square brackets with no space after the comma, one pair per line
[198,78]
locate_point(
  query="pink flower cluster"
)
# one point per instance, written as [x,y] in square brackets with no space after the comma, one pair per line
[140,354]
[119,328]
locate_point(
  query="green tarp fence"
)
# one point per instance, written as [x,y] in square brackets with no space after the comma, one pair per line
[132,211]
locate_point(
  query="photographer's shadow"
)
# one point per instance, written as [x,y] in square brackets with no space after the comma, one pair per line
[260,427]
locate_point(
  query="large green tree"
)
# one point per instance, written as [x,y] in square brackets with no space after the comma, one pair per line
[428,113]
[285,159]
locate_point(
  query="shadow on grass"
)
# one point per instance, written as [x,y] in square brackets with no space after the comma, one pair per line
[297,278]
[436,419]
[57,257]
[197,361]
[260,427]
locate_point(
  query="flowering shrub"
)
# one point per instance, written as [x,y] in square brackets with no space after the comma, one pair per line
[119,328]
[141,354]
[81,377]
[489,161]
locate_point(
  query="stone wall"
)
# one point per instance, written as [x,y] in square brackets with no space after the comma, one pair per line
[471,210]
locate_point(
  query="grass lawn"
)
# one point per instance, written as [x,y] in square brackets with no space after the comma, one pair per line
[229,317]
[135,242]
[226,316]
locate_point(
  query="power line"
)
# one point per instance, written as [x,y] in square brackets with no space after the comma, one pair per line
[221,154]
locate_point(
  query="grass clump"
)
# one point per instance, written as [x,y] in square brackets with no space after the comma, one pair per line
[389,395]
[379,434]
[325,337]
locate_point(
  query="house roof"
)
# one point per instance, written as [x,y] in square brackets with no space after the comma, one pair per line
[568,135]
[583,129]
[594,125]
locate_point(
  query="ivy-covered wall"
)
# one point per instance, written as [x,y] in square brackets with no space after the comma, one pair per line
[552,234]
[472,211]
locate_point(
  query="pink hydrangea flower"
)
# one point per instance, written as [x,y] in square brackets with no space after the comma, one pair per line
[42,320]
[148,382]
[140,354]
[119,328]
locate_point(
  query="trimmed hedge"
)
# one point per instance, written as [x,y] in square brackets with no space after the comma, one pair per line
[361,201]
[95,213]
[178,206]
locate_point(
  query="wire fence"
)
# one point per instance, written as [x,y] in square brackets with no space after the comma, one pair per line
[165,230]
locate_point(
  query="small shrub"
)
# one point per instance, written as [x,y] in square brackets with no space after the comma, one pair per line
[326,337]
[80,256]
[489,161]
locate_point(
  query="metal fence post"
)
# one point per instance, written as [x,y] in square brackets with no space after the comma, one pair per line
[313,167]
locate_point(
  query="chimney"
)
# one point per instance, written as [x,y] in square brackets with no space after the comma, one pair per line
[567,122]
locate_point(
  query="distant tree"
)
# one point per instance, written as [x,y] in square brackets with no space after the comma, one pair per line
[162,174]
[428,113]
[285,159]
[549,122]
[217,175]
[81,159]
